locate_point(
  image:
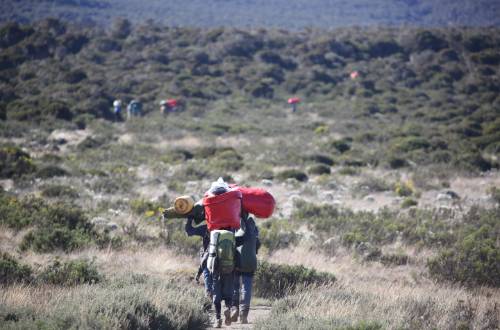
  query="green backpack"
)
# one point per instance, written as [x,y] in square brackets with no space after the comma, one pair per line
[222,241]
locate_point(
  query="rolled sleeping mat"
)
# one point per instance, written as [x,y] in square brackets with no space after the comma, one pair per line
[184,204]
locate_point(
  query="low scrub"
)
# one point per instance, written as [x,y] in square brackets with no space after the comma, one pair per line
[15,163]
[60,226]
[277,281]
[71,272]
[18,213]
[292,174]
[59,191]
[11,271]
[473,260]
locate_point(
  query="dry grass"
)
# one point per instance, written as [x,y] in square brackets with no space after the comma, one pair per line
[394,297]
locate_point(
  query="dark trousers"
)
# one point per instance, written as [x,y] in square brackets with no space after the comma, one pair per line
[222,291]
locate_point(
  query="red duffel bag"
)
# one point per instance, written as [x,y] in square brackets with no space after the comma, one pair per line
[223,211]
[257,201]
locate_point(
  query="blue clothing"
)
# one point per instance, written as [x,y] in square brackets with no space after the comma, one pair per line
[202,232]
[242,297]
[222,290]
[207,280]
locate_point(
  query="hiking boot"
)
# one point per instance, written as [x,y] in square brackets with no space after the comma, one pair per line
[244,316]
[227,317]
[218,323]
[234,314]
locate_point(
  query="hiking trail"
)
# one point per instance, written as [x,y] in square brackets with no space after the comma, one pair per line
[256,312]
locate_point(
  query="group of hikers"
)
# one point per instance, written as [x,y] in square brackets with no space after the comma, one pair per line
[134,108]
[228,256]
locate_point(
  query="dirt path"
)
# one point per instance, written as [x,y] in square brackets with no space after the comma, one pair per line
[256,312]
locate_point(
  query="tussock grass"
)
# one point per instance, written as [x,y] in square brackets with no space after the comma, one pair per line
[130,302]
[368,306]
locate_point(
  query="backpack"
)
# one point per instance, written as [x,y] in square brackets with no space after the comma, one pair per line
[221,252]
[246,254]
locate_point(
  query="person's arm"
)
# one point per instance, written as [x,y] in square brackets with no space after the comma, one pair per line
[194,231]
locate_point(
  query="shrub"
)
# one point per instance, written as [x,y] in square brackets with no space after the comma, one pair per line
[322,159]
[475,260]
[90,143]
[319,169]
[11,271]
[277,281]
[141,206]
[341,145]
[404,189]
[71,272]
[15,163]
[394,259]
[50,171]
[397,162]
[408,202]
[277,234]
[59,227]
[292,174]
[19,213]
[59,191]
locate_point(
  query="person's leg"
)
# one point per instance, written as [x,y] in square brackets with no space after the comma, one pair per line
[217,294]
[246,296]
[235,309]
[227,295]
[207,280]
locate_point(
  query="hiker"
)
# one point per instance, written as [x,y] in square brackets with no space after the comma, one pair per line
[222,211]
[134,109]
[204,234]
[163,107]
[247,246]
[117,110]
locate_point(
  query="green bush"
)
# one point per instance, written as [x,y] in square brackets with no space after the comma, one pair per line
[11,271]
[292,174]
[475,260]
[341,145]
[59,191]
[394,259]
[15,163]
[71,272]
[408,202]
[19,213]
[321,159]
[141,206]
[277,234]
[59,227]
[277,281]
[50,171]
[319,169]
[397,162]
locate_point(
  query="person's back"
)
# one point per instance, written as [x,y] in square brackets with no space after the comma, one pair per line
[247,244]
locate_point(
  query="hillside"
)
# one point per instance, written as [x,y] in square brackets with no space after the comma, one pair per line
[386,176]
[422,96]
[296,14]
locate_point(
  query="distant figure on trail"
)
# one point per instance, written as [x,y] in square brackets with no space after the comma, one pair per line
[117,110]
[169,105]
[293,101]
[134,109]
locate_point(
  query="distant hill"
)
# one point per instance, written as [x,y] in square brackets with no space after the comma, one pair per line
[289,14]
[431,95]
